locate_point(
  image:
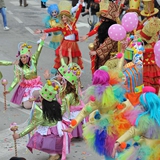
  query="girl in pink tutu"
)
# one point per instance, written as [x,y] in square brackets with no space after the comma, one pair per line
[47,120]
[25,74]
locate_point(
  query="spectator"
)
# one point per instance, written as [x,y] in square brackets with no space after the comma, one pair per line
[3,12]
[25,3]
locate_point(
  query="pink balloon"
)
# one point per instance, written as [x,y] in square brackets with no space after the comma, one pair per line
[157,53]
[130,21]
[117,32]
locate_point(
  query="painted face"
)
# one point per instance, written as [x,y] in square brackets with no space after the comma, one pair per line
[64,18]
[54,14]
[24,59]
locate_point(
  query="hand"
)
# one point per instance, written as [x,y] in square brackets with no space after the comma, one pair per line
[6,92]
[15,136]
[44,36]
[83,38]
[116,145]
[92,53]
[37,31]
[46,74]
[16,62]
[68,130]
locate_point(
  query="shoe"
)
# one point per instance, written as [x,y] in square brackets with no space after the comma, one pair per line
[6,28]
[20,5]
[25,5]
[54,157]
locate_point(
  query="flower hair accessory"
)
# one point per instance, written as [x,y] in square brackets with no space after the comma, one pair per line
[75,69]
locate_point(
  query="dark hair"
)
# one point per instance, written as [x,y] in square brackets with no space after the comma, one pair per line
[17,158]
[72,89]
[103,29]
[21,64]
[51,110]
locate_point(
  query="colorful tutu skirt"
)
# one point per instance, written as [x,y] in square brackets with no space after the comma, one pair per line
[103,133]
[75,51]
[25,90]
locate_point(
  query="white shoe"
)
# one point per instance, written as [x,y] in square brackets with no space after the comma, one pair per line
[6,28]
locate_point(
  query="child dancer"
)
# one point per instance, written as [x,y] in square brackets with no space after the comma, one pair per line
[145,132]
[70,96]
[47,119]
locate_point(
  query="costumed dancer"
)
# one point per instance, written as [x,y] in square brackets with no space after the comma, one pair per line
[47,119]
[149,35]
[70,34]
[25,74]
[52,20]
[145,132]
[103,44]
[104,103]
[71,97]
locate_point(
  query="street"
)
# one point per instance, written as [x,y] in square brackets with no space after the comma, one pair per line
[22,22]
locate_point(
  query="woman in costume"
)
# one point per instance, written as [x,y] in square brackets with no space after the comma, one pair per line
[103,103]
[71,98]
[145,132]
[47,120]
[70,34]
[25,74]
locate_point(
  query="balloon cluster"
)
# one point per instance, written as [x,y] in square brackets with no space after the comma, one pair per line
[118,32]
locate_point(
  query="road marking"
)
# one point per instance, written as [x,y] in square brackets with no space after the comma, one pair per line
[9,12]
[30,30]
[17,19]
[86,60]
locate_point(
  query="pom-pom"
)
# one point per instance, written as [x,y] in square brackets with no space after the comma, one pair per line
[73,122]
[120,106]
[136,144]
[89,109]
[128,146]
[57,20]
[104,68]
[131,36]
[123,145]
[139,40]
[138,43]
[92,98]
[136,138]
[97,115]
[119,55]
[149,89]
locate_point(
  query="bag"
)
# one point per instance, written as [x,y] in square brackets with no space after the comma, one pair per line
[134,78]
[95,4]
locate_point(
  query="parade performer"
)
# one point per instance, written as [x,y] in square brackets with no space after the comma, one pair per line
[149,35]
[145,132]
[71,96]
[52,20]
[103,101]
[25,74]
[103,44]
[70,33]
[47,119]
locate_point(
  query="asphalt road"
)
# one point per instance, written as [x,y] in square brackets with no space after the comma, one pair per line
[22,23]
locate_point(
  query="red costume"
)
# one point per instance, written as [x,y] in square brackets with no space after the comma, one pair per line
[70,39]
